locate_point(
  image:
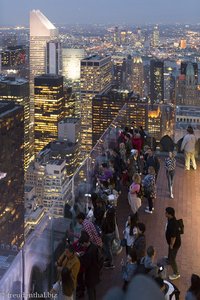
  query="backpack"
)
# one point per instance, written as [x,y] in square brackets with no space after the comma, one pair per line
[140,194]
[180,225]
[148,186]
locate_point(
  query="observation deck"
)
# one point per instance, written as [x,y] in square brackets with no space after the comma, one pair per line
[32,269]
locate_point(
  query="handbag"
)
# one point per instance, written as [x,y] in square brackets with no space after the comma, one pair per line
[116,243]
[116,246]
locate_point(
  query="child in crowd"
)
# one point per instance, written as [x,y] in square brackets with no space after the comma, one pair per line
[148,261]
[129,268]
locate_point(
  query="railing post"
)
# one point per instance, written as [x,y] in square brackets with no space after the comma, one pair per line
[23,277]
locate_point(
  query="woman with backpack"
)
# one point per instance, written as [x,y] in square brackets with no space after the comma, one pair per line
[149,184]
[133,198]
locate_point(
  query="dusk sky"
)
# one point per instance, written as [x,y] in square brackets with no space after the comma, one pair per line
[16,12]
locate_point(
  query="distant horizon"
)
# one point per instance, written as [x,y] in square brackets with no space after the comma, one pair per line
[104,12]
[26,26]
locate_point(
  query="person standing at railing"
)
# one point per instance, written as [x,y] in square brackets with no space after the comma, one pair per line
[68,265]
[89,227]
[188,145]
[170,165]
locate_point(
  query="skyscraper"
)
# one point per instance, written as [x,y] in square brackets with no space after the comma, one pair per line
[119,71]
[11,166]
[41,32]
[96,78]
[17,89]
[155,37]
[185,66]
[187,92]
[53,63]
[71,70]
[49,108]
[138,76]
[71,63]
[156,81]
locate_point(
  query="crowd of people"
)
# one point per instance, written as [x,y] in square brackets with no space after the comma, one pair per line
[131,166]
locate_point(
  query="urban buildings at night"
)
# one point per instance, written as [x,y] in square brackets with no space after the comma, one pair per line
[96,78]
[156,81]
[42,31]
[12,165]
[58,124]
[49,108]
[16,89]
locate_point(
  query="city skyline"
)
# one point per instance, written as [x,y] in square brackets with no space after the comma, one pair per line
[109,12]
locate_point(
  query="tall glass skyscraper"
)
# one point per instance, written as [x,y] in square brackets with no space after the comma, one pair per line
[41,32]
[156,81]
[95,78]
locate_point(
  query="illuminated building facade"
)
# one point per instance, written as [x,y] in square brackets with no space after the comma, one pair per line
[53,57]
[49,178]
[138,112]
[160,120]
[96,77]
[13,61]
[72,103]
[187,92]
[13,56]
[138,76]
[41,32]
[156,81]
[17,89]
[11,165]
[155,37]
[119,71]
[55,187]
[71,63]
[116,37]
[183,44]
[49,108]
[106,106]
[71,70]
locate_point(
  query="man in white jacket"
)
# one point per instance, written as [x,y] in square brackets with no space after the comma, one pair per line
[188,145]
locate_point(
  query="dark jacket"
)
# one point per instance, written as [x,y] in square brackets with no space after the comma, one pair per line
[89,261]
[172,231]
[140,246]
[153,162]
[99,213]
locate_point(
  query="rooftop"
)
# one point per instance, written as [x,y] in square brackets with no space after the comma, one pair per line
[12,80]
[70,120]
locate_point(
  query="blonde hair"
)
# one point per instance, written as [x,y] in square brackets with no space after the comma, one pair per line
[151,170]
[137,178]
